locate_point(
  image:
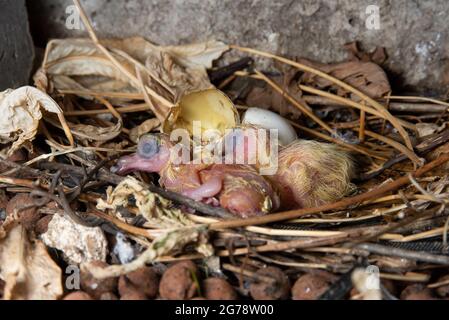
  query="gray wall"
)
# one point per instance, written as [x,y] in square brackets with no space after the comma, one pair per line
[415,33]
[16,47]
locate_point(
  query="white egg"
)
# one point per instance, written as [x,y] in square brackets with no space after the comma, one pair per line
[270,120]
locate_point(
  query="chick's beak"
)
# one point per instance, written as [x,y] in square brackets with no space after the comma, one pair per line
[130,163]
[136,162]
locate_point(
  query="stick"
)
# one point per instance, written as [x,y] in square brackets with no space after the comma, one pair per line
[401,253]
[393,106]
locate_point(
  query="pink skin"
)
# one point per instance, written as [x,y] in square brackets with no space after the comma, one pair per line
[237,188]
[135,162]
[206,190]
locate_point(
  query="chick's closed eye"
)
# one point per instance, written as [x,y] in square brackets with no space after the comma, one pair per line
[148,146]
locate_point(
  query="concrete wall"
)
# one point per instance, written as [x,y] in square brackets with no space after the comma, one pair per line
[16,47]
[415,33]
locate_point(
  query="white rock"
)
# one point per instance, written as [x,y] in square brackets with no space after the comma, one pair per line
[78,243]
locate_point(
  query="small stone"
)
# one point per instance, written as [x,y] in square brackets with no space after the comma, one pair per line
[143,279]
[218,289]
[79,243]
[277,289]
[177,282]
[96,287]
[309,287]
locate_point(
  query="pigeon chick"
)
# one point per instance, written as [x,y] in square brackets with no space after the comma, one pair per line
[237,188]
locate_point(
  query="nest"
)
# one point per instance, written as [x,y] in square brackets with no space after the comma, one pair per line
[96,98]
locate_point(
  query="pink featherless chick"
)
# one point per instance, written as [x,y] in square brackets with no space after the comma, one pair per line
[237,188]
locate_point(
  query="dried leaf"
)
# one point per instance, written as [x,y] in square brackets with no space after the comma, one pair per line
[78,243]
[367,77]
[28,270]
[170,71]
[21,112]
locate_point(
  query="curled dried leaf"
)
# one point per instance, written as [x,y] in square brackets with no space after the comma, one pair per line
[171,71]
[21,113]
[367,77]
[28,270]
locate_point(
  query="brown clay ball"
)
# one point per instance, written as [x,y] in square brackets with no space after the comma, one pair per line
[218,289]
[276,289]
[309,287]
[27,217]
[78,295]
[96,287]
[417,292]
[177,283]
[143,279]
